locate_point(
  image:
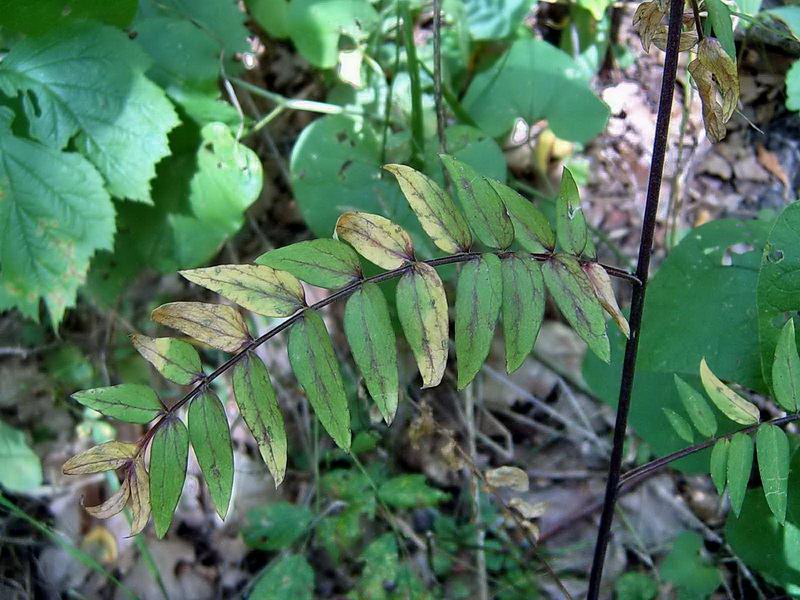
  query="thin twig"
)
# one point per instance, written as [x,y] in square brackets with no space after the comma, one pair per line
[437,74]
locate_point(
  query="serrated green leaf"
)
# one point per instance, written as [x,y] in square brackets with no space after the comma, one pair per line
[329,264]
[368,327]
[574,295]
[169,453]
[679,424]
[482,206]
[720,16]
[276,525]
[532,230]
[786,369]
[376,238]
[719,464]
[288,577]
[478,300]
[437,213]
[697,408]
[571,227]
[523,307]
[176,360]
[729,402]
[315,365]
[217,325]
[258,288]
[129,402]
[211,440]
[740,462]
[410,491]
[422,310]
[259,408]
[98,459]
[772,449]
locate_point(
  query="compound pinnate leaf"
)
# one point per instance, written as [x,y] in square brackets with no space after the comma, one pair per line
[176,360]
[772,449]
[259,408]
[316,368]
[697,408]
[139,481]
[740,462]
[258,288]
[679,424]
[105,457]
[369,331]
[714,73]
[571,227]
[719,464]
[129,402]
[216,325]
[376,238]
[211,439]
[601,282]
[786,369]
[729,402]
[422,310]
[169,452]
[531,228]
[329,264]
[522,307]
[478,300]
[113,505]
[437,213]
[482,206]
[509,477]
[575,298]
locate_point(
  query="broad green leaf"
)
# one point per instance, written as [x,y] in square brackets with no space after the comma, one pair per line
[20,467]
[217,325]
[35,18]
[258,288]
[575,298]
[772,449]
[531,228]
[376,238]
[570,223]
[740,462]
[697,408]
[635,586]
[276,525]
[211,440]
[325,263]
[316,367]
[271,15]
[720,16]
[115,503]
[259,408]
[719,464]
[54,215]
[534,80]
[729,402]
[422,310]
[176,360]
[596,7]
[495,19]
[604,291]
[70,88]
[437,213]
[786,369]
[169,452]
[129,402]
[381,564]
[793,87]
[482,206]
[679,424]
[288,577]
[790,15]
[478,299]
[370,334]
[522,307]
[410,491]
[687,570]
[105,457]
[139,482]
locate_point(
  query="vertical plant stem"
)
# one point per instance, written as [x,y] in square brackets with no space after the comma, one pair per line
[437,74]
[417,126]
[637,301]
[480,534]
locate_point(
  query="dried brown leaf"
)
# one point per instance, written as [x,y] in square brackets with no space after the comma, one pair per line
[139,483]
[105,457]
[217,325]
[114,505]
[717,81]
[601,282]
[508,477]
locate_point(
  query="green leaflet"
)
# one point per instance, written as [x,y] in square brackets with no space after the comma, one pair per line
[376,238]
[329,264]
[478,299]
[211,440]
[729,402]
[437,213]
[719,464]
[410,491]
[679,424]
[570,223]
[531,228]
[574,295]
[258,288]
[369,331]
[786,369]
[316,368]
[217,325]
[740,462]
[422,310]
[259,408]
[127,402]
[169,452]
[720,16]
[484,210]
[697,408]
[523,307]
[772,448]
[176,360]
